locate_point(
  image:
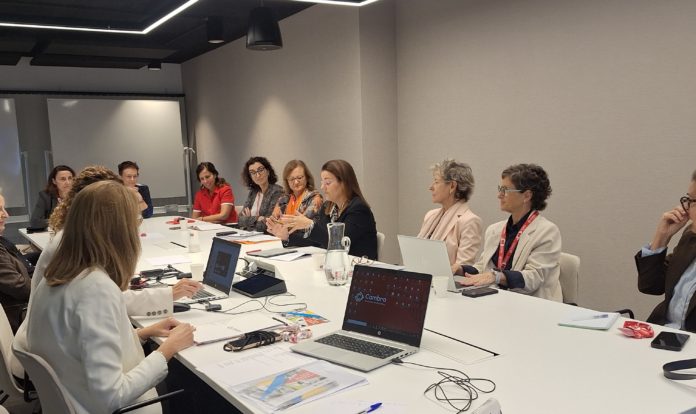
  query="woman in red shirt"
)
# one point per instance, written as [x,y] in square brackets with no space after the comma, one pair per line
[214,202]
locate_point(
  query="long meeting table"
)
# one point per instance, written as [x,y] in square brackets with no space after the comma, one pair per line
[509,338]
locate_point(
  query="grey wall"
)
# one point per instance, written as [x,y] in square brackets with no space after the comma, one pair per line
[600,93]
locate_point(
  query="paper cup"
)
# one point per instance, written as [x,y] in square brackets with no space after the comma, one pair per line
[197,271]
[440,285]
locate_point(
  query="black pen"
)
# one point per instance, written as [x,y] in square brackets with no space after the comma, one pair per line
[180,245]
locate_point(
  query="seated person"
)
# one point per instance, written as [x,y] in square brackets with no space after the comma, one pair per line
[300,196]
[59,182]
[214,202]
[259,176]
[78,321]
[672,275]
[129,172]
[521,253]
[15,271]
[454,222]
[344,204]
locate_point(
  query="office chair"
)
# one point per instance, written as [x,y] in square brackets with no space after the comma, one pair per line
[380,244]
[9,366]
[569,277]
[53,395]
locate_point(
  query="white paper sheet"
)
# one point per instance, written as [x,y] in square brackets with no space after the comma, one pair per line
[165,260]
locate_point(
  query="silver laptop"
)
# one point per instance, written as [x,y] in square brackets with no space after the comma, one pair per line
[428,256]
[219,271]
[384,320]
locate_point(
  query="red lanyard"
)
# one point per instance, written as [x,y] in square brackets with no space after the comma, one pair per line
[502,261]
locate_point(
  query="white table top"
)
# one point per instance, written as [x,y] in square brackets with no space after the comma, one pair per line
[542,367]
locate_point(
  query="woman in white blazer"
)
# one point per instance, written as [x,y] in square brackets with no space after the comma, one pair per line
[454,222]
[78,321]
[528,261]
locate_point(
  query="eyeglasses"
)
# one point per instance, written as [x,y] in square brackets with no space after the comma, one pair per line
[259,171]
[505,190]
[298,178]
[687,201]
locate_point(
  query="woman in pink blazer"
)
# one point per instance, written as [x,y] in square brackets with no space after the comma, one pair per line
[454,222]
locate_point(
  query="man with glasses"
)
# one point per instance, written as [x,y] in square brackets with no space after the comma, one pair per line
[672,275]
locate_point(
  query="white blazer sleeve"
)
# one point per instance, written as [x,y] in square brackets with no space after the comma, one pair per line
[468,239]
[149,302]
[541,264]
[103,329]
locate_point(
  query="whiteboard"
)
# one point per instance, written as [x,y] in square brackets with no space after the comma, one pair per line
[88,131]
[11,179]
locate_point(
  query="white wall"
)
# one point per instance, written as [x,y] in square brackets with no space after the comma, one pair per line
[600,93]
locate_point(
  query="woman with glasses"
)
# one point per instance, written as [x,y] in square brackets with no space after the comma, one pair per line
[259,176]
[214,202]
[78,321]
[300,195]
[59,182]
[344,204]
[454,222]
[672,275]
[521,253]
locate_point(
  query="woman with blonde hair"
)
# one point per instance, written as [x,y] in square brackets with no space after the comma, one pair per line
[78,322]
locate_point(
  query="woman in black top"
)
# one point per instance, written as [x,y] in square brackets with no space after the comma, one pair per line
[59,184]
[344,204]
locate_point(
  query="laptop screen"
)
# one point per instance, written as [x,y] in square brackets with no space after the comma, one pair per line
[388,303]
[222,263]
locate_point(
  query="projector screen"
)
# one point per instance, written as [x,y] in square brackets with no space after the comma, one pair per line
[107,131]
[11,178]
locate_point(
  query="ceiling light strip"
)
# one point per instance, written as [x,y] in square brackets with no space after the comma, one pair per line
[147,30]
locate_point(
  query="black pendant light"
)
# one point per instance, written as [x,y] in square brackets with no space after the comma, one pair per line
[263,33]
[215,28]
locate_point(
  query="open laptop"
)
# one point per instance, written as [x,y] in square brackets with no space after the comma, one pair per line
[219,271]
[428,256]
[384,320]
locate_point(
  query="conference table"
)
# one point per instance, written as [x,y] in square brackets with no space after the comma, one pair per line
[509,338]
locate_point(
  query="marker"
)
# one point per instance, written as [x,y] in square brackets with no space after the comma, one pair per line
[587,318]
[180,245]
[370,408]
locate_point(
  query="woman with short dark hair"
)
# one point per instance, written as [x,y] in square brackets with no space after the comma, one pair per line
[129,172]
[59,183]
[521,253]
[260,177]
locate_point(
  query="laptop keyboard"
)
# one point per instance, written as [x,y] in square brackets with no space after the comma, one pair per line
[357,345]
[202,294]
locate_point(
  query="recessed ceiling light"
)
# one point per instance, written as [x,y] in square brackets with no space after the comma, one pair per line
[146,30]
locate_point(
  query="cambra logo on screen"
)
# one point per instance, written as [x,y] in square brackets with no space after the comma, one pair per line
[369,297]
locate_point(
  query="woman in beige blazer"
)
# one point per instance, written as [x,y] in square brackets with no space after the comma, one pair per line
[454,222]
[528,263]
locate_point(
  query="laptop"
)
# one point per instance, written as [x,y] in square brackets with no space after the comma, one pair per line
[429,256]
[219,271]
[383,320]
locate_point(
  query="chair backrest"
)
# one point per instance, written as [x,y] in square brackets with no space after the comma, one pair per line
[570,276]
[7,360]
[380,244]
[52,394]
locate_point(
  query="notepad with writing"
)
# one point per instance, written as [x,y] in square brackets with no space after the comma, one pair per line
[590,320]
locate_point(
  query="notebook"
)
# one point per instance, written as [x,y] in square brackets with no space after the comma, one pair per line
[383,320]
[590,320]
[219,271]
[428,256]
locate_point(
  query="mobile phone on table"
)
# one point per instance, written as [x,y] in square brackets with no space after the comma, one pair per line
[478,292]
[670,340]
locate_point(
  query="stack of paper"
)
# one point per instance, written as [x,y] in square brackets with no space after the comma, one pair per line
[233,328]
[590,320]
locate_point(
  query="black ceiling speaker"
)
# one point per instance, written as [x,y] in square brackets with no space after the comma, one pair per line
[216,29]
[264,33]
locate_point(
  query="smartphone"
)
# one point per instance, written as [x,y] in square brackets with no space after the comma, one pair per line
[478,292]
[670,341]
[152,273]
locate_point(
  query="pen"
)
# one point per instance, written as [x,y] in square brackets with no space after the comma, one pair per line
[370,408]
[180,245]
[587,318]
[279,320]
